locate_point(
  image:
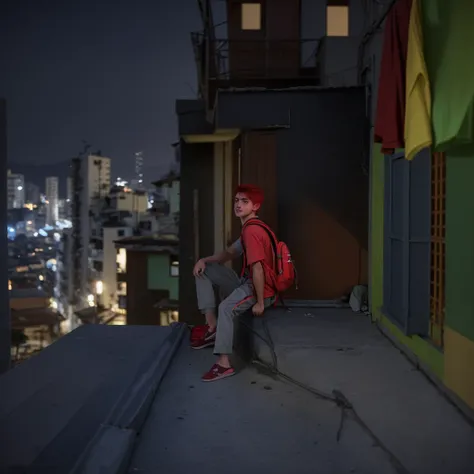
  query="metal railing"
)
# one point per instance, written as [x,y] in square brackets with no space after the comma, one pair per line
[223,59]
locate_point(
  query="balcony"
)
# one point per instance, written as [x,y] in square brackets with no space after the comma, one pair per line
[254,63]
[121,399]
[96,254]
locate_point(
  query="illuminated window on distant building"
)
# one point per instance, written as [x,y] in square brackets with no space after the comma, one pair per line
[337,19]
[251,16]
[174,267]
[121,261]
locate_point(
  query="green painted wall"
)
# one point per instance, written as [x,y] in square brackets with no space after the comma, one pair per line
[159,277]
[376,231]
[460,244]
[424,350]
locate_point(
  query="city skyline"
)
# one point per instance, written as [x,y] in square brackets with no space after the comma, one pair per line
[36,174]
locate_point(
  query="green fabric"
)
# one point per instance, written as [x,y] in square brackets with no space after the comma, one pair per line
[448,30]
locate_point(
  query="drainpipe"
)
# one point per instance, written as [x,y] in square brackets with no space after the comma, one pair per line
[5,322]
[367,37]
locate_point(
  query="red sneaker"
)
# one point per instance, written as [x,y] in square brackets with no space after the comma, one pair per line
[218,372]
[208,340]
[198,332]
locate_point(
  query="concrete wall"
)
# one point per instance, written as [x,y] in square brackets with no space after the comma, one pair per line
[132,202]
[338,55]
[192,118]
[109,267]
[174,197]
[28,303]
[196,229]
[313,18]
[325,135]
[339,61]
[159,275]
[5,335]
[141,301]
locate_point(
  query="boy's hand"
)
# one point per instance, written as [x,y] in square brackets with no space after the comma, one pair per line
[199,268]
[258,309]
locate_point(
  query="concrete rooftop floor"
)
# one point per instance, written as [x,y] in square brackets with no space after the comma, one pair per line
[336,349]
[249,423]
[87,396]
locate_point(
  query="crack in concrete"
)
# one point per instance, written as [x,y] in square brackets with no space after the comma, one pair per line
[336,397]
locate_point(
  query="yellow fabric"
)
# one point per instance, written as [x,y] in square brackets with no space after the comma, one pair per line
[418,133]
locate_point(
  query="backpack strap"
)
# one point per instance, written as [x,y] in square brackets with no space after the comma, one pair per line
[271,235]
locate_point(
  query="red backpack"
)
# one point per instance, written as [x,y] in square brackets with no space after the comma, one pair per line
[283,273]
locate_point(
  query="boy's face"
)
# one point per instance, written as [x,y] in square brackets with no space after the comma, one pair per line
[243,206]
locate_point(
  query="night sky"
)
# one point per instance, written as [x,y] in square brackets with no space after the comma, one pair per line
[88,70]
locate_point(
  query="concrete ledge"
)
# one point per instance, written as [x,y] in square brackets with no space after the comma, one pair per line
[95,383]
[110,449]
[118,443]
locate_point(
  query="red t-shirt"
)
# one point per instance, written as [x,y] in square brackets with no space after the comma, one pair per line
[258,248]
[390,115]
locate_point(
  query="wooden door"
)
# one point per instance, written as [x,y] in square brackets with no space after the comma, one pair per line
[258,167]
[254,159]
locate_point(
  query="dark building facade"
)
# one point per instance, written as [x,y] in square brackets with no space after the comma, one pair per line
[272,113]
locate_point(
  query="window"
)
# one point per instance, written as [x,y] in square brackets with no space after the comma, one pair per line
[174,267]
[337,18]
[251,16]
[122,301]
[407,242]
[120,232]
[122,261]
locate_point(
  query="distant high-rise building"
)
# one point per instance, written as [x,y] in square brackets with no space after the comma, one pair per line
[33,195]
[69,196]
[69,189]
[96,176]
[90,180]
[16,190]
[63,209]
[137,181]
[52,197]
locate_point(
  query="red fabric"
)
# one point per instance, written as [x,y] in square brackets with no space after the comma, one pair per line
[217,372]
[198,332]
[258,248]
[390,116]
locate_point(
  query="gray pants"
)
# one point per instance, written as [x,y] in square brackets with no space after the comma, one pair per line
[238,297]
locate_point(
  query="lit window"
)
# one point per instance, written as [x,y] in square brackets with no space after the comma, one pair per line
[122,261]
[174,268]
[251,16]
[337,21]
